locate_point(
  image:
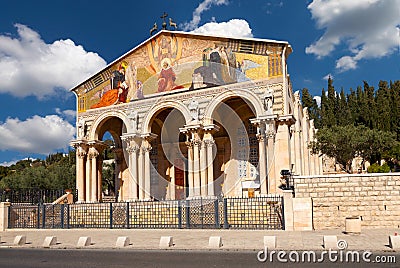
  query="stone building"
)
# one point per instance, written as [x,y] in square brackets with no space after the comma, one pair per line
[193,116]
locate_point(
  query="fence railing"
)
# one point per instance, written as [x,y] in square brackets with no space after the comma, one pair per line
[33,196]
[235,213]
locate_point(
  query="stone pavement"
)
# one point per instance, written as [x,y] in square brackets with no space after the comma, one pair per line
[375,240]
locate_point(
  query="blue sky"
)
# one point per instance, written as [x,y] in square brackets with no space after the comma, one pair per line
[47,47]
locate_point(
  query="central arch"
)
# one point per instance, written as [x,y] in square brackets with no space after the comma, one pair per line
[168,154]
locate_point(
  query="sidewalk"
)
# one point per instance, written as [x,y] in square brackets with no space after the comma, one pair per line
[375,240]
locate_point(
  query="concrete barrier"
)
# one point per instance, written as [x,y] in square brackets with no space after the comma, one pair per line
[330,241]
[215,242]
[84,241]
[20,240]
[4,207]
[166,242]
[352,225]
[394,242]
[49,241]
[122,241]
[270,241]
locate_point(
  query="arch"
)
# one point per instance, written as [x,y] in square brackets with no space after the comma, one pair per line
[97,123]
[146,127]
[244,94]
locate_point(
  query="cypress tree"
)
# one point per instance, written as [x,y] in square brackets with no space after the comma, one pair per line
[308,101]
[382,101]
[343,117]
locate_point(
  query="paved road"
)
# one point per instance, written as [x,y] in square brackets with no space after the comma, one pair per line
[46,258]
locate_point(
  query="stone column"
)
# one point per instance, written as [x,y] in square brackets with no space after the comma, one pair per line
[189,144]
[262,165]
[172,185]
[292,147]
[88,184]
[147,170]
[299,150]
[210,166]
[203,169]
[133,168]
[270,135]
[282,147]
[80,172]
[99,177]
[118,157]
[196,169]
[306,139]
[141,171]
[93,153]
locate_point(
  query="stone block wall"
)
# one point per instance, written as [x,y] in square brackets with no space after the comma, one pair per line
[373,197]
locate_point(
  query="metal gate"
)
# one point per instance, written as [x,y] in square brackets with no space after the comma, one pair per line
[202,213]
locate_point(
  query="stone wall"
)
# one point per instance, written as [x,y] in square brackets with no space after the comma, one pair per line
[373,197]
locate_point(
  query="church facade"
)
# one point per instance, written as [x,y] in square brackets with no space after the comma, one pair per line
[193,116]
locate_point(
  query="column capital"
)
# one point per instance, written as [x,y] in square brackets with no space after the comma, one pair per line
[287,119]
[264,119]
[190,128]
[81,151]
[146,147]
[261,137]
[189,144]
[98,145]
[209,142]
[149,136]
[130,137]
[79,143]
[270,134]
[211,128]
[92,153]
[132,149]
[196,142]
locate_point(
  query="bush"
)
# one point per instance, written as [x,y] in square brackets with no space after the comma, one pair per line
[376,168]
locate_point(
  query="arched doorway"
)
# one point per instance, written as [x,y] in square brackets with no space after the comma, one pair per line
[168,155]
[109,131]
[236,161]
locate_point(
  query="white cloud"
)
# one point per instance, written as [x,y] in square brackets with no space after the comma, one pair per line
[234,28]
[326,77]
[9,163]
[368,28]
[70,115]
[42,135]
[203,6]
[32,67]
[318,100]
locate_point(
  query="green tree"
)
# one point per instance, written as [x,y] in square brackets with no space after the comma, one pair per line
[395,107]
[339,142]
[314,112]
[328,105]
[58,173]
[374,144]
[343,114]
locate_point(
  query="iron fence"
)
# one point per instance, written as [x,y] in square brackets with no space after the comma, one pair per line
[235,213]
[33,196]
